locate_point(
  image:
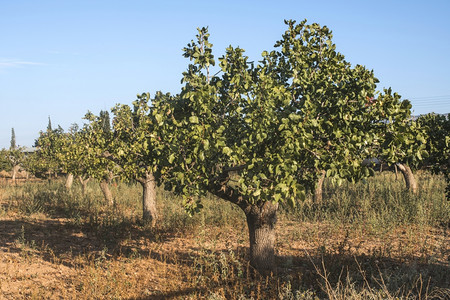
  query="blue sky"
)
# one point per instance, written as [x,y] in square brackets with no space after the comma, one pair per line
[63,58]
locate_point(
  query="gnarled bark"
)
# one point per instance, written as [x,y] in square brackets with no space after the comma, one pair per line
[149,211]
[261,220]
[410,180]
[104,185]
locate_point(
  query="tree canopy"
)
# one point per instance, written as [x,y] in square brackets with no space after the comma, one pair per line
[257,134]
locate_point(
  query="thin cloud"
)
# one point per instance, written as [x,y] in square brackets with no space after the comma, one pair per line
[16,63]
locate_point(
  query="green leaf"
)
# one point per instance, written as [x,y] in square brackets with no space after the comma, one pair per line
[277,197]
[227,151]
[158,118]
[206,144]
[193,119]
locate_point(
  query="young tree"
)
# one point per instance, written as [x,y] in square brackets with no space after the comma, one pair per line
[74,159]
[260,134]
[5,164]
[401,139]
[138,148]
[36,164]
[51,146]
[66,152]
[15,156]
[95,139]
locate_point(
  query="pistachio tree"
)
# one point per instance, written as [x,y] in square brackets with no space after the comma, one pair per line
[15,156]
[50,144]
[92,142]
[78,152]
[401,140]
[75,156]
[37,165]
[437,129]
[5,164]
[52,155]
[259,134]
[138,148]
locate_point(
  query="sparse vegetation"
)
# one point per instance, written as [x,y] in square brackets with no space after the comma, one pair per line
[368,240]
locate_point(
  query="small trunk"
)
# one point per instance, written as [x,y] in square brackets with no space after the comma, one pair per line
[410,180]
[261,226]
[149,212]
[83,184]
[69,181]
[318,192]
[15,170]
[104,185]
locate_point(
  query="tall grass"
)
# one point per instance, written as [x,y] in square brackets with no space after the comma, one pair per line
[53,199]
[381,202]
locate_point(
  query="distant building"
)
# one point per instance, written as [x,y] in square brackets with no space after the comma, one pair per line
[28,150]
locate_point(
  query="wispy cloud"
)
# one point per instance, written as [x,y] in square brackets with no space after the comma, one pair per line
[57,52]
[16,63]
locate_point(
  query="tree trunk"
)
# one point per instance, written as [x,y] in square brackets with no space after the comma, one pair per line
[69,181]
[149,212]
[318,192]
[15,170]
[104,185]
[410,180]
[261,222]
[83,184]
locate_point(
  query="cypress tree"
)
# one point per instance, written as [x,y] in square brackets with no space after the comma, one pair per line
[13,139]
[49,126]
[106,121]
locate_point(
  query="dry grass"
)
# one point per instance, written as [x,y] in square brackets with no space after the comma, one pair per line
[58,245]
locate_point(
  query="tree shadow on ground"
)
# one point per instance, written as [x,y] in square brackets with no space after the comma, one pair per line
[61,238]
